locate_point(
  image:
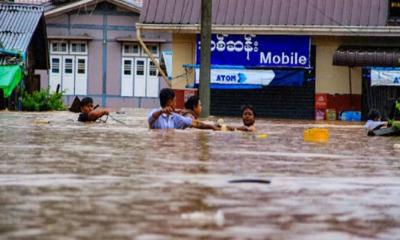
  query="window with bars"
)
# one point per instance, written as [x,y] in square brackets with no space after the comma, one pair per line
[55,65]
[68,66]
[127,67]
[140,67]
[152,69]
[81,68]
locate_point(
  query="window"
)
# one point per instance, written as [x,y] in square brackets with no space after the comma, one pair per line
[139,76]
[78,48]
[131,49]
[152,69]
[55,65]
[127,67]
[58,47]
[81,66]
[140,67]
[69,66]
[153,48]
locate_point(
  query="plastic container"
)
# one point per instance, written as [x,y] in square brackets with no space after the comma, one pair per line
[330,114]
[319,115]
[316,135]
[350,116]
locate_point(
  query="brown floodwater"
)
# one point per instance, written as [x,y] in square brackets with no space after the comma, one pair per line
[60,179]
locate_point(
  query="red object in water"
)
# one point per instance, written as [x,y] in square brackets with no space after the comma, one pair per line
[182,96]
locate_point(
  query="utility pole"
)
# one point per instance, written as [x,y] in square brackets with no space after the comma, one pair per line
[205,57]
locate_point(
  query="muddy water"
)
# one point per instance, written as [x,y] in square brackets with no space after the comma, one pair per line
[66,180]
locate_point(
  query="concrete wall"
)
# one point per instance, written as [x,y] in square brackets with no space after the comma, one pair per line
[183,50]
[333,79]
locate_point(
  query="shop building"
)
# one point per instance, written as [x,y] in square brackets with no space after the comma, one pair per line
[348,39]
[94,52]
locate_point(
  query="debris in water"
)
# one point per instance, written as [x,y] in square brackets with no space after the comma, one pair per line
[204,218]
[250,181]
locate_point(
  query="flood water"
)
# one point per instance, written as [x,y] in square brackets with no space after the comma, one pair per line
[66,180]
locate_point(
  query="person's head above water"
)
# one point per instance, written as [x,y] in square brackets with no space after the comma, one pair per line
[86,105]
[248,115]
[374,115]
[194,104]
[167,98]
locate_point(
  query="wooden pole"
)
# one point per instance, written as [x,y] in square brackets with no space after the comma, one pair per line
[205,56]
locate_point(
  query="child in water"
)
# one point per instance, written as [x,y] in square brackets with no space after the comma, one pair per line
[89,113]
[168,116]
[374,121]
[248,118]
[193,110]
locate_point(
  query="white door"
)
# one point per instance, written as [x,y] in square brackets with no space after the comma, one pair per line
[68,80]
[81,75]
[152,79]
[127,77]
[140,77]
[55,72]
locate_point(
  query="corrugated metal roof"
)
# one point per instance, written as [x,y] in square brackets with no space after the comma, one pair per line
[49,5]
[17,25]
[269,12]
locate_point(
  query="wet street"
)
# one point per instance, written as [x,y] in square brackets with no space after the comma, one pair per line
[60,179]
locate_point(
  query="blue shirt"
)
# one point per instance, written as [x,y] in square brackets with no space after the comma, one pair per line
[172,120]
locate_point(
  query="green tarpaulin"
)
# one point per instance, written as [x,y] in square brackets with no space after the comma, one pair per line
[10,76]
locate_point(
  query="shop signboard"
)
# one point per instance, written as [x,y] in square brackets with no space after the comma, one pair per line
[385,77]
[236,78]
[258,50]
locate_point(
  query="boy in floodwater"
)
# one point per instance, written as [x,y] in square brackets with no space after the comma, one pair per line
[248,118]
[374,121]
[168,117]
[89,113]
[193,110]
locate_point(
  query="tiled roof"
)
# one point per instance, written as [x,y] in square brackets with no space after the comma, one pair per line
[18,22]
[269,12]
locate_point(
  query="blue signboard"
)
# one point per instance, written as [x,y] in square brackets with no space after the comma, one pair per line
[258,50]
[242,78]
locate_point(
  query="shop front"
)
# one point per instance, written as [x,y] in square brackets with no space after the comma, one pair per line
[273,73]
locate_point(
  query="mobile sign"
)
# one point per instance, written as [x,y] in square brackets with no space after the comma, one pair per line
[258,50]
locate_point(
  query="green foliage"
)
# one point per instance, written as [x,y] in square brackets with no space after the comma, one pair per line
[398,105]
[42,100]
[396,125]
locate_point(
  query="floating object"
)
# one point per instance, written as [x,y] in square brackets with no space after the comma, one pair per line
[205,218]
[41,121]
[316,135]
[262,136]
[396,146]
[76,105]
[350,116]
[250,181]
[383,132]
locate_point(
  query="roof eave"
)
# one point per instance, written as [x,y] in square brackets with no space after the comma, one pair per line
[75,5]
[385,31]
